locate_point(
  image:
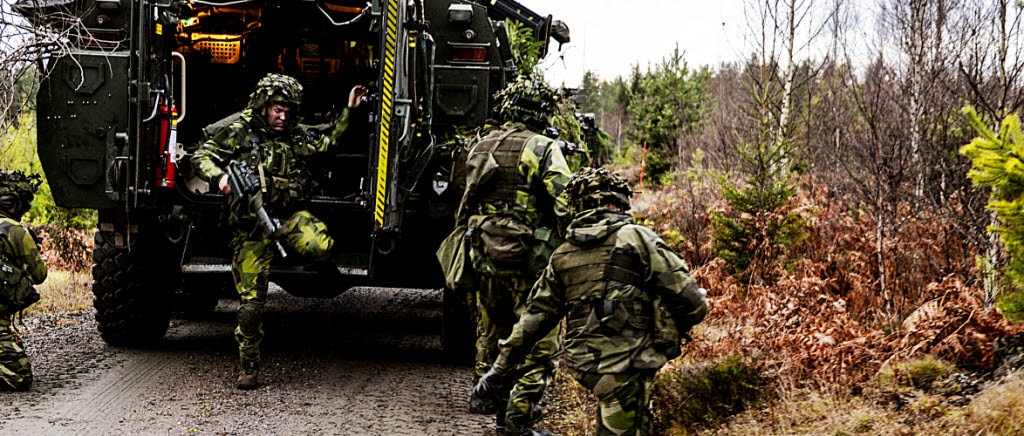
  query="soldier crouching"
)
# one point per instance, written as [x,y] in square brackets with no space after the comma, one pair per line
[268,137]
[21,267]
[627,298]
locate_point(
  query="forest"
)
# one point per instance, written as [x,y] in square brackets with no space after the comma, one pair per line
[850,196]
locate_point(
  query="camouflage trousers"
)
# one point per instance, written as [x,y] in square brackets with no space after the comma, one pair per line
[623,401]
[15,368]
[307,236]
[500,301]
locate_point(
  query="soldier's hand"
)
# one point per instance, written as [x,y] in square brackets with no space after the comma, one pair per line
[355,96]
[224,186]
[489,385]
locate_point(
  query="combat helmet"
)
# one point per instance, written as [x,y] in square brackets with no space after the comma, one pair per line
[18,188]
[276,88]
[595,187]
[526,100]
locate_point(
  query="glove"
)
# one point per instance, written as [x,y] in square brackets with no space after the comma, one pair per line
[489,385]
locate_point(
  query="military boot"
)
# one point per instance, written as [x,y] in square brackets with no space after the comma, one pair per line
[248,376]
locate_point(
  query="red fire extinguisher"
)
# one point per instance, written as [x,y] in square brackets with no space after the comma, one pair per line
[168,146]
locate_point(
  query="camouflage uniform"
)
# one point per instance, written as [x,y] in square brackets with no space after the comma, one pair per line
[626,297]
[278,154]
[18,250]
[515,210]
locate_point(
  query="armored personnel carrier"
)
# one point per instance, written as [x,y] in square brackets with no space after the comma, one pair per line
[120,112]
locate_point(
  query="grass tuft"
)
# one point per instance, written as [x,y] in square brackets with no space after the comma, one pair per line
[704,396]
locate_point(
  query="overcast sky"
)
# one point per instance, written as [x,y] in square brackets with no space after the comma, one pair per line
[609,36]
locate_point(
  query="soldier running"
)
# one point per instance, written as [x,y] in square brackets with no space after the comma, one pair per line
[626,295]
[269,137]
[515,211]
[21,268]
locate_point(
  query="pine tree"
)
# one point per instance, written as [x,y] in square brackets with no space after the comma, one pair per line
[754,233]
[999,165]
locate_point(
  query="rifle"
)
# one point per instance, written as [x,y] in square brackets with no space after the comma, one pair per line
[245,192]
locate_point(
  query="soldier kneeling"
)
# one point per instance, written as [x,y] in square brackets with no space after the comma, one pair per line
[21,267]
[628,299]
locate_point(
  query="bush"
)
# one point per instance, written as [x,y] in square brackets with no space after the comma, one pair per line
[918,373]
[706,395]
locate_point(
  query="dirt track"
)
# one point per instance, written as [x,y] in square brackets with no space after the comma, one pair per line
[364,363]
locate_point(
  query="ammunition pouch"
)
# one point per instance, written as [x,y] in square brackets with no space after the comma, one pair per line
[666,337]
[500,239]
[16,293]
[610,317]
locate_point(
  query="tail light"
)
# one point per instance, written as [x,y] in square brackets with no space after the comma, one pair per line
[468,54]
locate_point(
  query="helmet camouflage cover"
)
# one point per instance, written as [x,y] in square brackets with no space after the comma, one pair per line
[595,187]
[18,186]
[528,101]
[276,88]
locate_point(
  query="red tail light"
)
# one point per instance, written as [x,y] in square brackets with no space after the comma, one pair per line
[469,54]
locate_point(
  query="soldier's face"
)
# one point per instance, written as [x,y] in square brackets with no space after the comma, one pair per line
[278,116]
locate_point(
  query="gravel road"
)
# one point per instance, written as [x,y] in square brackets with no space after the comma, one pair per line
[365,363]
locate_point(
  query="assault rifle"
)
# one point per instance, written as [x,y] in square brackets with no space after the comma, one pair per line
[247,198]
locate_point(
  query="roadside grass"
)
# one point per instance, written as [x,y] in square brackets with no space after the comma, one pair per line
[63,291]
[892,404]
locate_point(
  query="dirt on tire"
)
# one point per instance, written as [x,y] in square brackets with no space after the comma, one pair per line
[365,363]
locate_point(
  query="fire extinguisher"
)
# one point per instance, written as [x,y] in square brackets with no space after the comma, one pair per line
[167,169]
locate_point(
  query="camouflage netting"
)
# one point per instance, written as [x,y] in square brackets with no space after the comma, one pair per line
[276,88]
[528,101]
[595,187]
[16,186]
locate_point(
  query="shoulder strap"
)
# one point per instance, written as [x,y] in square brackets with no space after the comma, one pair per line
[5,226]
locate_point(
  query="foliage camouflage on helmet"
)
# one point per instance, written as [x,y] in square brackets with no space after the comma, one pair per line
[594,187]
[18,186]
[528,101]
[276,88]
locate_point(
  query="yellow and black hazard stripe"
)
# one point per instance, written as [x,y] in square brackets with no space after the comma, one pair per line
[387,100]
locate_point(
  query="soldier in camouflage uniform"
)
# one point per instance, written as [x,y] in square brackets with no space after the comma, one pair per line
[20,269]
[627,298]
[269,137]
[515,210]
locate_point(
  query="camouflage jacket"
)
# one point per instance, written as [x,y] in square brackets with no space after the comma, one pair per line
[610,278]
[539,199]
[278,154]
[19,249]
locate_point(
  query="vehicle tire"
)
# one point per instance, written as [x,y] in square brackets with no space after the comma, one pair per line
[129,293]
[457,328]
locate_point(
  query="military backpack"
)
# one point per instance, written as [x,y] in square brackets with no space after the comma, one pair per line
[16,292]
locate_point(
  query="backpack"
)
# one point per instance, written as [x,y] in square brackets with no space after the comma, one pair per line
[16,292]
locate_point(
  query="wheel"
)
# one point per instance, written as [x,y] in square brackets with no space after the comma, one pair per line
[129,293]
[457,327]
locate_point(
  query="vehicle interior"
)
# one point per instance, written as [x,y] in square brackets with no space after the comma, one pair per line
[327,46]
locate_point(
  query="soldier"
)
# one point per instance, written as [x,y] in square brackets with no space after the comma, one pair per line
[627,297]
[514,207]
[269,137]
[20,269]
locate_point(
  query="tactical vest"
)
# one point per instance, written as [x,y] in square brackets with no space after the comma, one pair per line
[16,292]
[507,149]
[602,286]
[605,290]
